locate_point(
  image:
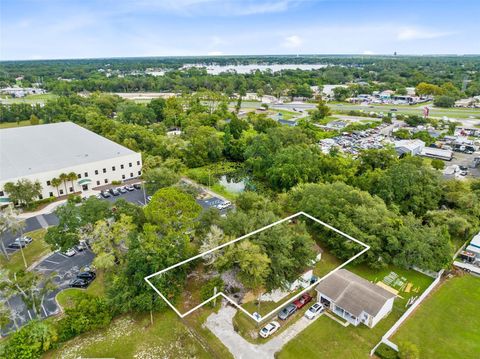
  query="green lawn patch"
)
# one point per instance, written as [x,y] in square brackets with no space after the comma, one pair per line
[33,252]
[132,336]
[66,297]
[446,325]
[14,124]
[326,338]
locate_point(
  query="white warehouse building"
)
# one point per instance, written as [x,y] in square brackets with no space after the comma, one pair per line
[43,152]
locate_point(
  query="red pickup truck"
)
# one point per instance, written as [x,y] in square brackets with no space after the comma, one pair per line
[304,299]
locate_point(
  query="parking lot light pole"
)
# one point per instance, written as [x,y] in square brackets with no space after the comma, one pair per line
[144,194]
[21,249]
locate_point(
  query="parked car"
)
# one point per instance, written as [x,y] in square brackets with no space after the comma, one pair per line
[105,194]
[114,191]
[149,198]
[314,310]
[20,242]
[287,311]
[130,188]
[24,239]
[303,300]
[122,190]
[269,329]
[70,252]
[80,247]
[16,245]
[89,276]
[137,186]
[224,205]
[79,283]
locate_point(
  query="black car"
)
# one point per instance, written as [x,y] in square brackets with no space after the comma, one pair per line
[88,276]
[137,186]
[16,245]
[79,283]
[105,194]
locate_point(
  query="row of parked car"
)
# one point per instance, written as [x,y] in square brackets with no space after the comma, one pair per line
[289,310]
[119,190]
[20,242]
[83,279]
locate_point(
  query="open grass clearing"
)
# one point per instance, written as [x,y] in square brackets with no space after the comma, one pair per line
[15,124]
[29,99]
[447,323]
[32,252]
[66,298]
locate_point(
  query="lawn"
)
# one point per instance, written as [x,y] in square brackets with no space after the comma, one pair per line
[450,314]
[67,296]
[132,336]
[33,252]
[14,124]
[30,99]
[326,338]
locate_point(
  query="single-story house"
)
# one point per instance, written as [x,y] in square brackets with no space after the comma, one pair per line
[354,299]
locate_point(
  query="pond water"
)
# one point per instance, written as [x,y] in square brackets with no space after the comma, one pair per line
[231,185]
[246,69]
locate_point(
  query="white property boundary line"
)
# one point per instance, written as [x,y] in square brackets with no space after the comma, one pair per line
[220,294]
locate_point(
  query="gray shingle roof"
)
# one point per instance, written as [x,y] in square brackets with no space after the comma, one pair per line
[353,293]
[35,149]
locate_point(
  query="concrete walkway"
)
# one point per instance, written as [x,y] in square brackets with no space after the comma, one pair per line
[45,210]
[221,324]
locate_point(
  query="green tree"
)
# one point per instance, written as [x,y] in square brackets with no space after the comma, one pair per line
[31,341]
[23,191]
[172,209]
[72,176]
[408,350]
[56,182]
[444,101]
[34,120]
[157,178]
[64,178]
[438,164]
[158,107]
[321,111]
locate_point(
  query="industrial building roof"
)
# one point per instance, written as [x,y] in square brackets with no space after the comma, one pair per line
[35,149]
[353,293]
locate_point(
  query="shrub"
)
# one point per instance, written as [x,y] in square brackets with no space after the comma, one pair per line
[116,183]
[207,290]
[385,352]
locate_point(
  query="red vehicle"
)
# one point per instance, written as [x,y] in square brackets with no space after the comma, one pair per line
[304,299]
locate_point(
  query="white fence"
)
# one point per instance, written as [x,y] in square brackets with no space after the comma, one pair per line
[393,329]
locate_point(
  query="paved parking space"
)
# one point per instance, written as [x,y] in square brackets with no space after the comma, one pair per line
[135,196]
[63,269]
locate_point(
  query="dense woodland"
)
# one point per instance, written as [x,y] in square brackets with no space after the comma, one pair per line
[402,208]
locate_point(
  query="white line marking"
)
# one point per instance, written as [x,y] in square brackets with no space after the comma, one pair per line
[28,311]
[49,261]
[367,247]
[44,311]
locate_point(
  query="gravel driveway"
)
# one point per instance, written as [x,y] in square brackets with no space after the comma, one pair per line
[221,324]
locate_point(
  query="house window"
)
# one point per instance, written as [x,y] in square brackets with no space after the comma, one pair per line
[96,172]
[2,194]
[105,180]
[71,189]
[86,174]
[131,174]
[104,170]
[130,164]
[98,183]
[113,168]
[51,194]
[61,191]
[123,176]
[79,175]
[139,173]
[48,183]
[40,197]
[122,166]
[138,163]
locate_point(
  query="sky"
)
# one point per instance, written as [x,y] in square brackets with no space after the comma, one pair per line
[53,29]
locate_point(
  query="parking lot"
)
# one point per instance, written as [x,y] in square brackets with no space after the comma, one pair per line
[63,269]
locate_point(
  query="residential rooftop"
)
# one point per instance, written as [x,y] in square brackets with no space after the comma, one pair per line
[353,293]
[35,149]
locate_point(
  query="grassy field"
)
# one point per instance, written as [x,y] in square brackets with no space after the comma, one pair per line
[447,324]
[132,336]
[34,251]
[30,99]
[408,110]
[326,338]
[15,124]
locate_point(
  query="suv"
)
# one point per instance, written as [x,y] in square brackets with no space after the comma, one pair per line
[137,186]
[304,299]
[79,283]
[105,194]
[224,205]
[287,311]
[269,329]
[114,191]
[314,310]
[20,242]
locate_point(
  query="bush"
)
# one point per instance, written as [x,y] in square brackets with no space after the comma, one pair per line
[385,352]
[116,183]
[438,164]
[31,341]
[88,313]
[444,101]
[208,289]
[73,198]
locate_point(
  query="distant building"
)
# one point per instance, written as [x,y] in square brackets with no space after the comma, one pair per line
[22,91]
[40,153]
[411,147]
[437,153]
[355,299]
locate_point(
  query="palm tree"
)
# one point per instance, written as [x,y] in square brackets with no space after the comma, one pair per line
[64,178]
[72,176]
[56,182]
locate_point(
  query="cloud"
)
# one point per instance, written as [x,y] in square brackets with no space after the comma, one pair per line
[293,41]
[417,33]
[214,53]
